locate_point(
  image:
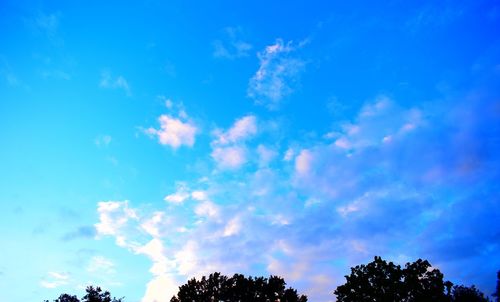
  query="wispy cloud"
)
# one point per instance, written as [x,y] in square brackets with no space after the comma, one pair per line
[181,194]
[8,75]
[277,75]
[101,265]
[229,150]
[48,22]
[54,280]
[110,82]
[243,128]
[231,46]
[103,140]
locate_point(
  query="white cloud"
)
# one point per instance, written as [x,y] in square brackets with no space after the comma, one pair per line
[153,225]
[276,75]
[199,195]
[229,157]
[378,122]
[54,280]
[161,289]
[107,81]
[187,259]
[174,132]
[233,227]
[229,151]
[181,194]
[303,162]
[289,154]
[207,209]
[113,218]
[309,220]
[155,250]
[241,130]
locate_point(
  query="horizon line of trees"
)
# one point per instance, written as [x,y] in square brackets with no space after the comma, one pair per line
[378,280]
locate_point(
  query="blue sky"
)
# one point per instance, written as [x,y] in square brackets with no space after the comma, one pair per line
[146,143]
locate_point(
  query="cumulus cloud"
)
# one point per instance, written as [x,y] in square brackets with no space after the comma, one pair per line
[230,157]
[207,209]
[110,82]
[113,219]
[303,162]
[277,74]
[161,289]
[174,131]
[336,201]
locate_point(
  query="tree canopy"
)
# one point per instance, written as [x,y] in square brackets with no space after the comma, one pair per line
[92,294]
[497,292]
[467,294]
[218,287]
[380,280]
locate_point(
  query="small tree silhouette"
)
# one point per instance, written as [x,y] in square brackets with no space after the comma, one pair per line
[93,294]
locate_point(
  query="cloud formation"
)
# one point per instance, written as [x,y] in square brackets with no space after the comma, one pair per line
[54,280]
[243,128]
[327,206]
[174,131]
[277,74]
[119,82]
[229,150]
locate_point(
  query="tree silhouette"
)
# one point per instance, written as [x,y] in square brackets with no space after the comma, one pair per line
[67,298]
[497,292]
[93,294]
[382,281]
[416,282]
[218,287]
[467,294]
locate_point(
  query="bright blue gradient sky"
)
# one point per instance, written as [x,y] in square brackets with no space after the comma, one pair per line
[144,143]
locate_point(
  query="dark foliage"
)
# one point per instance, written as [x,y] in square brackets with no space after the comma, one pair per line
[93,294]
[416,282]
[218,287]
[467,294]
[67,298]
[497,292]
